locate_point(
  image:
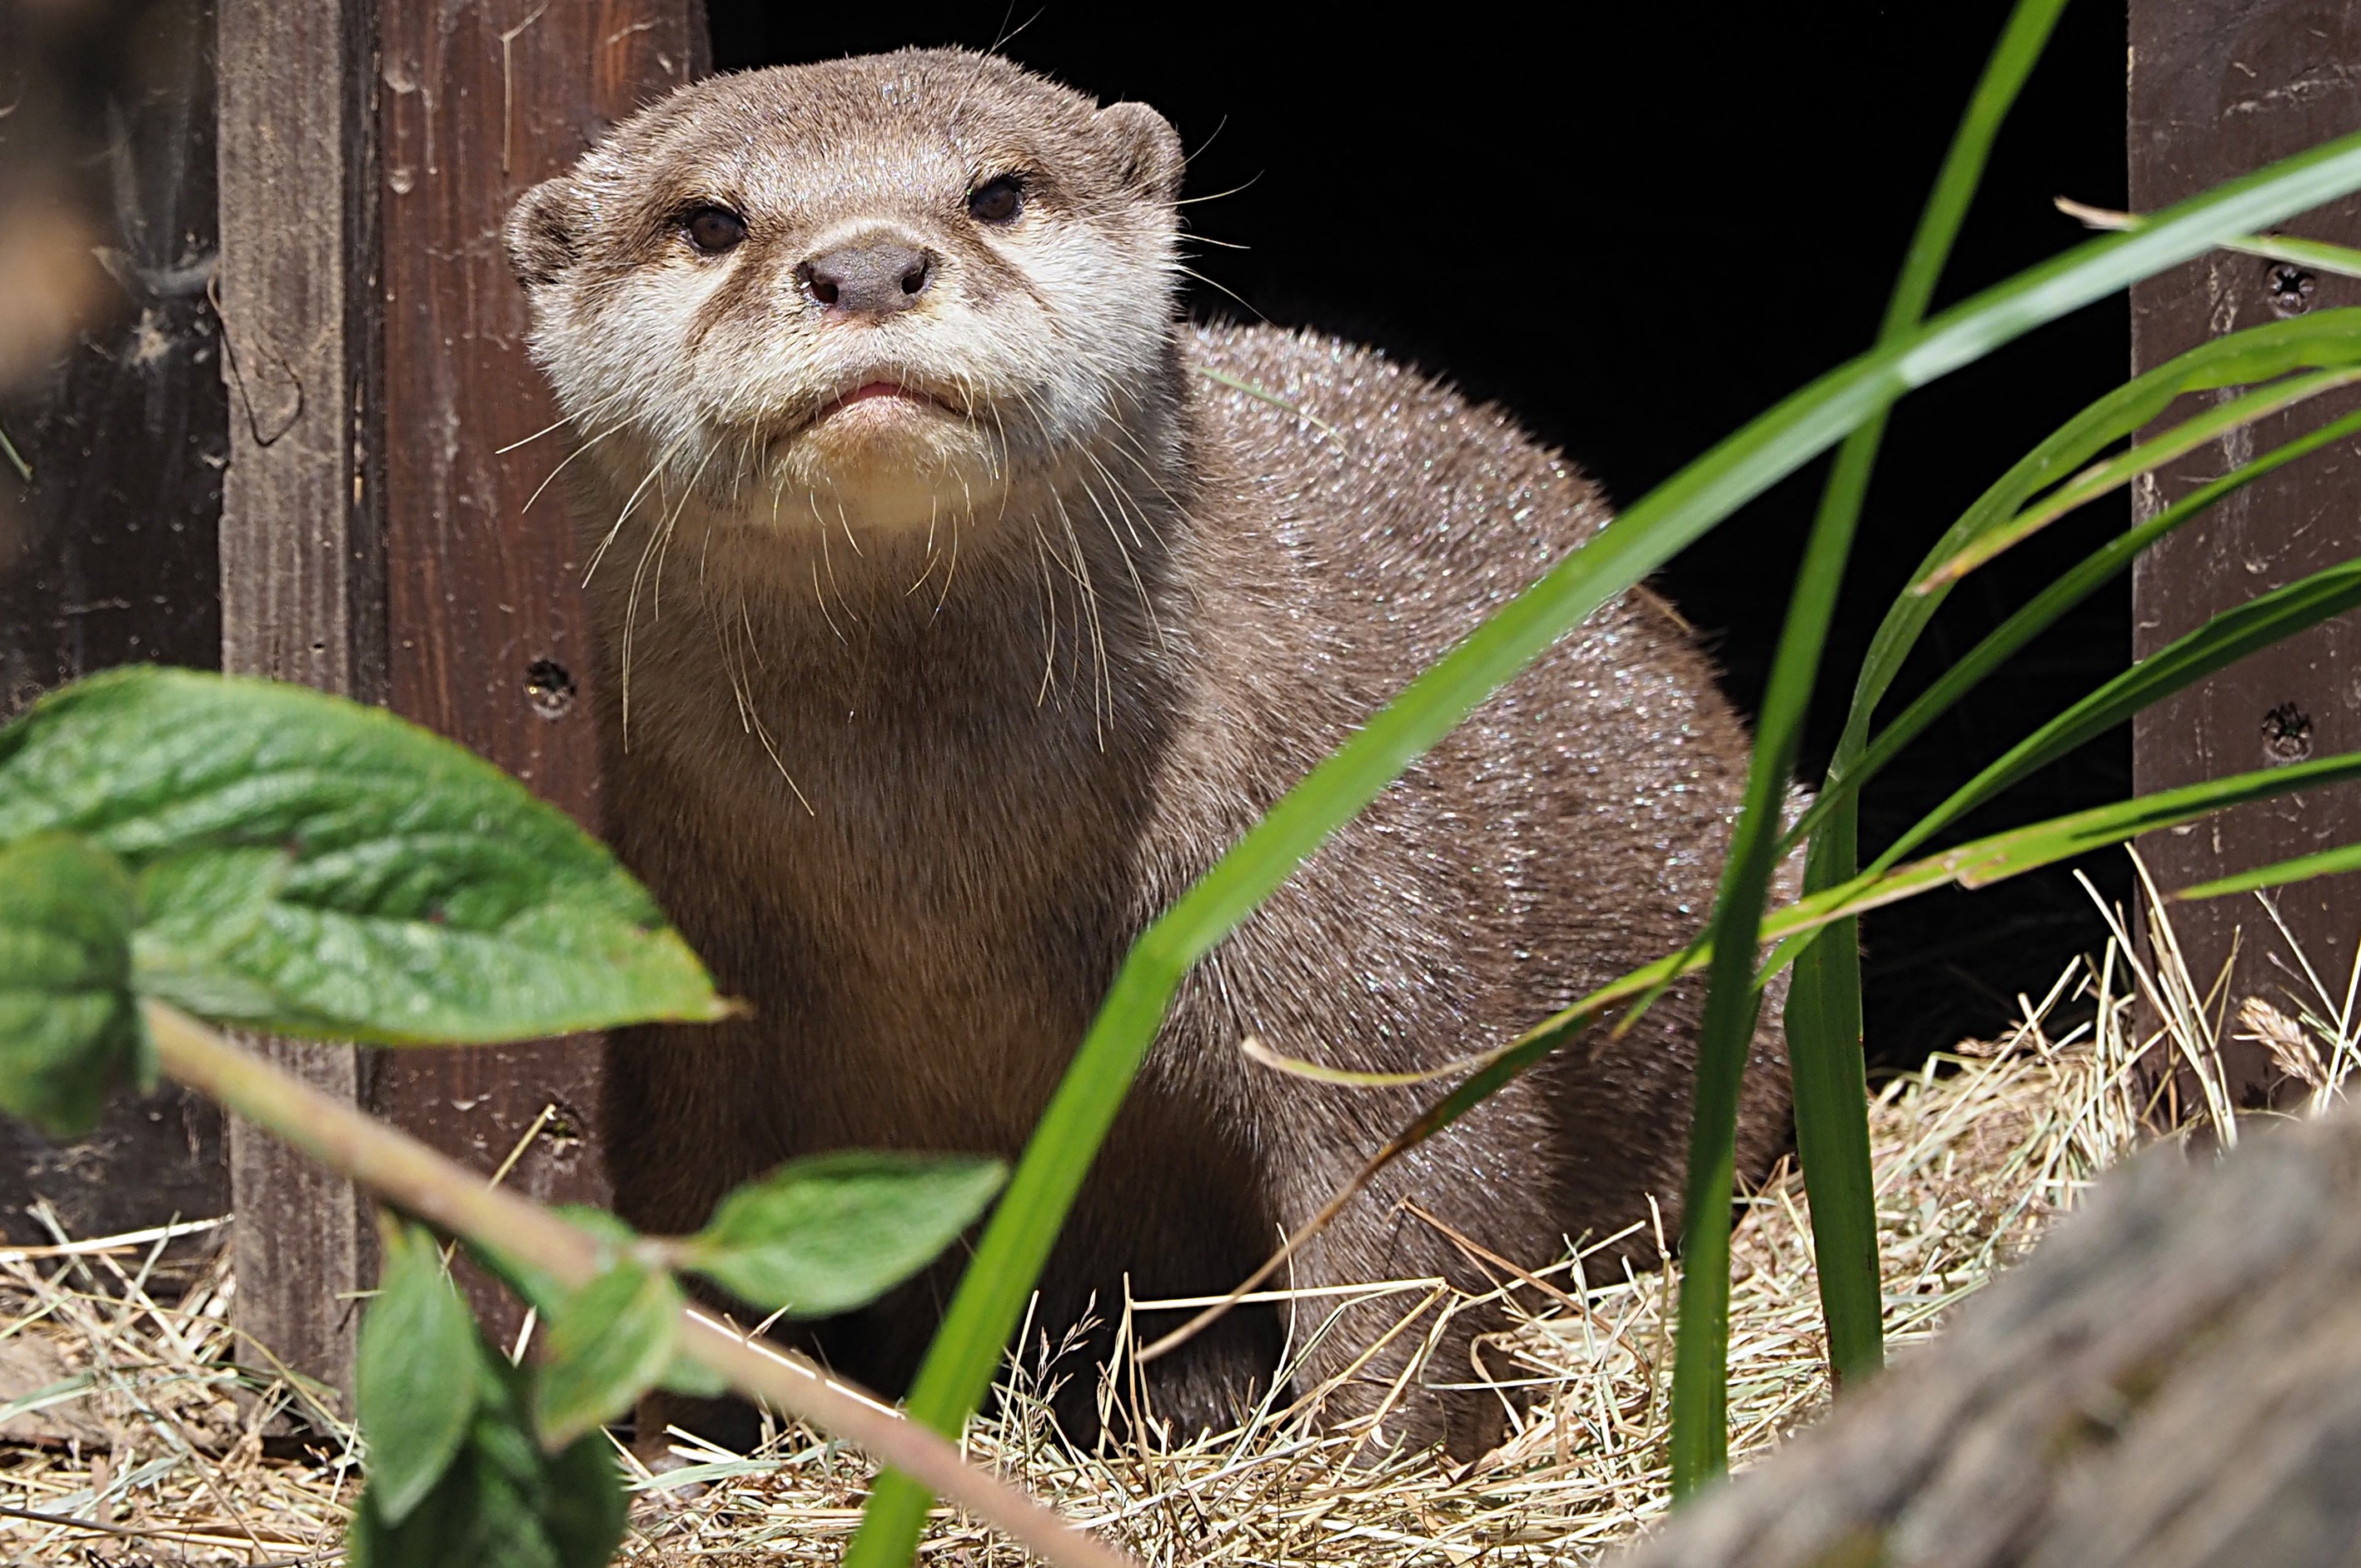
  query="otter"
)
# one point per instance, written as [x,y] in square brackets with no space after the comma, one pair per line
[958,602]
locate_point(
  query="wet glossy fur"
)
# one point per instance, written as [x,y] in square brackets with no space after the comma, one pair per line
[912,777]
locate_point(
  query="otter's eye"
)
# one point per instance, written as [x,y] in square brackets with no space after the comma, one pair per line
[997,201]
[714,229]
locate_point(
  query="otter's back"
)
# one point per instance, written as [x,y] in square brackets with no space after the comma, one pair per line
[1594,795]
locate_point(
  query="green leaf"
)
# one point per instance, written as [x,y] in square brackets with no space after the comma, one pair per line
[1830,1092]
[2021,849]
[608,1343]
[1829,1075]
[685,1376]
[1010,1257]
[503,1501]
[2279,873]
[540,1290]
[313,866]
[828,1234]
[70,1029]
[415,1341]
[534,1285]
[1823,1015]
[583,1508]
[2337,260]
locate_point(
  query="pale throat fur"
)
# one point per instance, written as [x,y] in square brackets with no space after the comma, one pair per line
[959,603]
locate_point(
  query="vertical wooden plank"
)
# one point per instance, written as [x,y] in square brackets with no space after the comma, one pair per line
[489,640]
[107,529]
[2217,88]
[301,596]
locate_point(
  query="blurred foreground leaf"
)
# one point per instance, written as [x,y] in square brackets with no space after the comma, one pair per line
[70,1032]
[411,1386]
[502,1500]
[310,865]
[826,1235]
[609,1343]
[540,1290]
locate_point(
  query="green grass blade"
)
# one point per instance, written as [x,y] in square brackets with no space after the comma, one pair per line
[1977,864]
[2338,260]
[2321,341]
[2147,457]
[2220,642]
[2302,868]
[1823,1017]
[1825,1000]
[960,1364]
[2004,855]
[2044,610]
[1829,1079]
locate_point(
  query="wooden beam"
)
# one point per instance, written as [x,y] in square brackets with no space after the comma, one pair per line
[2219,87]
[490,641]
[301,592]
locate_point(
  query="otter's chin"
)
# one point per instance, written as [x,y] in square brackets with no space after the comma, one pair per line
[896,463]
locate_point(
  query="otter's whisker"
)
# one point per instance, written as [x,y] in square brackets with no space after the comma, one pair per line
[951,571]
[1105,681]
[821,600]
[664,535]
[828,560]
[1050,617]
[753,646]
[1131,567]
[600,553]
[579,450]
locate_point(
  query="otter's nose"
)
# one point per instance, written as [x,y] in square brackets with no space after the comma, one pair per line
[870,280]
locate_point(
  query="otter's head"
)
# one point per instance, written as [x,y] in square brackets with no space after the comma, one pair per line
[880,289]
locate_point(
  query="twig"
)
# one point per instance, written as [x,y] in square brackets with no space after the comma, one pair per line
[66,1521]
[420,1182]
[128,1241]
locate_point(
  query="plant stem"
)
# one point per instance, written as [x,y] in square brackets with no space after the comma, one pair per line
[420,1182]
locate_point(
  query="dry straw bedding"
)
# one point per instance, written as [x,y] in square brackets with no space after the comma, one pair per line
[120,1409]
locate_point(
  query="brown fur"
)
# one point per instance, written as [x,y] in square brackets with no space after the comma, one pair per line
[914,791]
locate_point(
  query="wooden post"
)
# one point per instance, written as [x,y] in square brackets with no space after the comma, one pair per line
[490,633]
[375,540]
[302,580]
[2219,87]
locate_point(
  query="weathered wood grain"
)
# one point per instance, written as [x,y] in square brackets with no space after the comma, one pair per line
[2171,1380]
[300,587]
[2219,87]
[490,633]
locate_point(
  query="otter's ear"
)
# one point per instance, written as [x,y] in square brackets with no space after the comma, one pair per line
[544,230]
[1148,147]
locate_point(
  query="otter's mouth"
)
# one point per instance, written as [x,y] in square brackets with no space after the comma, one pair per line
[878,397]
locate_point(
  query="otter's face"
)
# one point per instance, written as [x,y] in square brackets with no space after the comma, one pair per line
[877,292]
